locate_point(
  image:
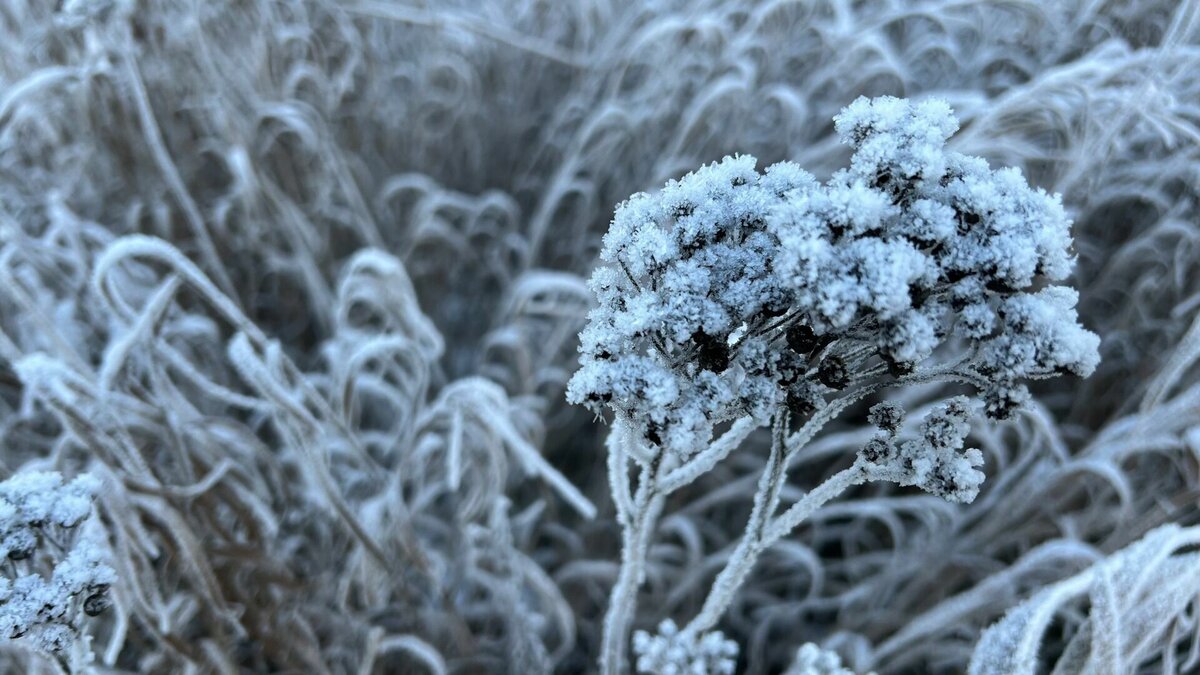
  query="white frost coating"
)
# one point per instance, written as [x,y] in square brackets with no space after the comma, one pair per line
[1040,335]
[1137,595]
[774,299]
[418,649]
[43,612]
[674,652]
[720,291]
[40,372]
[37,498]
[952,234]
[812,660]
[356,284]
[936,462]
[474,399]
[688,268]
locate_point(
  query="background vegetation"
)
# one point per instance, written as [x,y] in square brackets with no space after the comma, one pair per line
[300,281]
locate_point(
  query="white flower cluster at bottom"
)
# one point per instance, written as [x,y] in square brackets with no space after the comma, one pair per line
[812,660]
[672,652]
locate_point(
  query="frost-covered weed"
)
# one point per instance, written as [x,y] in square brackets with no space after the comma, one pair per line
[935,461]
[670,652]
[771,299]
[315,395]
[57,571]
[812,660]
[731,291]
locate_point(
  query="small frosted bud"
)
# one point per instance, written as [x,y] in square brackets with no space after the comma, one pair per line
[878,450]
[887,416]
[833,372]
[801,338]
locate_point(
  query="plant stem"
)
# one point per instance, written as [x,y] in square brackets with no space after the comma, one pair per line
[766,498]
[762,532]
[622,606]
[815,499]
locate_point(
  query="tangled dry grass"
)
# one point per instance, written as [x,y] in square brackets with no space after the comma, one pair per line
[301,280]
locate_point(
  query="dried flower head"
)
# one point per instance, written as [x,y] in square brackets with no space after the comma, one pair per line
[735,293]
[937,461]
[673,344]
[675,652]
[40,611]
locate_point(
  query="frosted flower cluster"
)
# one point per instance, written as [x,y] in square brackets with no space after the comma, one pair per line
[43,612]
[812,660]
[674,652]
[733,292]
[40,516]
[914,244]
[676,343]
[1039,336]
[33,501]
[936,461]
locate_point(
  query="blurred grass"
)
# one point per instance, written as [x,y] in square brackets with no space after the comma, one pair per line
[365,206]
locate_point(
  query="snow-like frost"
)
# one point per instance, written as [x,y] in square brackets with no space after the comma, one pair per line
[1137,595]
[43,612]
[910,248]
[936,461]
[770,297]
[812,660]
[671,652]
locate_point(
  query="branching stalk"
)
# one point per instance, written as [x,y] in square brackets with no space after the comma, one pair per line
[766,498]
[635,544]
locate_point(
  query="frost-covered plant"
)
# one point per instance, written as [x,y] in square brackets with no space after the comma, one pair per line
[812,660]
[936,462]
[676,344]
[57,574]
[670,652]
[745,299]
[480,145]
